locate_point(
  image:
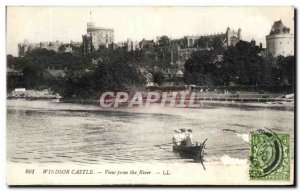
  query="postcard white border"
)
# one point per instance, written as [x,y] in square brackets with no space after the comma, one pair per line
[4,3]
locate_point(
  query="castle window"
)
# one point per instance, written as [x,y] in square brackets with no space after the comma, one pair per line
[280,42]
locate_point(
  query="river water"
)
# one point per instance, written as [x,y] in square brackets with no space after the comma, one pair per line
[53,132]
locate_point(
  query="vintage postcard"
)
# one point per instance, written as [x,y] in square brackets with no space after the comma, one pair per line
[150,95]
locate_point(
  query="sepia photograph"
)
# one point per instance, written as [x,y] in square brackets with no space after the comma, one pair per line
[150,96]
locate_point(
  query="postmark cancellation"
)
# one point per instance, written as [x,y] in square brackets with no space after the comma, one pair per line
[270,156]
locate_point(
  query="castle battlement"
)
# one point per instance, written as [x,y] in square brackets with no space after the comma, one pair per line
[230,37]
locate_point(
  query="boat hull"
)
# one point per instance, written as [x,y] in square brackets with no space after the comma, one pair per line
[188,152]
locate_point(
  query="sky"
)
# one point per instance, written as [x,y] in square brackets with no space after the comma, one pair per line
[44,24]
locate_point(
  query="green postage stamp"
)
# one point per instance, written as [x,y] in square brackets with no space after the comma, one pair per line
[270,156]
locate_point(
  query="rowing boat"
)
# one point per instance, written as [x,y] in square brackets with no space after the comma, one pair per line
[193,152]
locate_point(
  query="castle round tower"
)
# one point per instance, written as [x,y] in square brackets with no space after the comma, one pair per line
[280,42]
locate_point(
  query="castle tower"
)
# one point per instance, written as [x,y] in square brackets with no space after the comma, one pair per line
[280,41]
[99,36]
[240,34]
[228,37]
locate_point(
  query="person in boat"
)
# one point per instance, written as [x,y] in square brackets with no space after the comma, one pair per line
[176,137]
[189,138]
[183,136]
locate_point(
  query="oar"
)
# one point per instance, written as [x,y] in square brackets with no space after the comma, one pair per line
[162,144]
[202,153]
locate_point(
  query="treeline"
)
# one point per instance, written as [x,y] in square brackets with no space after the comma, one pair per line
[86,75]
[239,65]
[118,69]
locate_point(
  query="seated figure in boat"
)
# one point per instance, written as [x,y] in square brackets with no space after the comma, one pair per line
[183,136]
[176,137]
[189,138]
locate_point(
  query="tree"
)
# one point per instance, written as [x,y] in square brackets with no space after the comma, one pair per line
[240,64]
[158,77]
[202,42]
[243,65]
[164,41]
[105,69]
[200,69]
[286,65]
[218,44]
[115,70]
